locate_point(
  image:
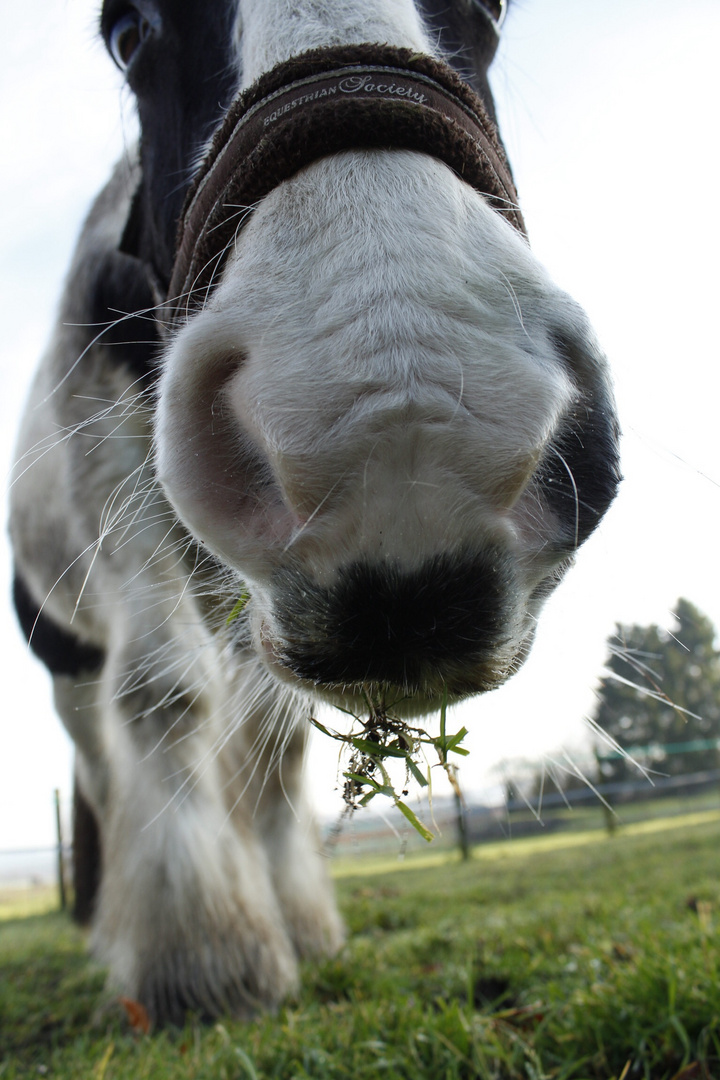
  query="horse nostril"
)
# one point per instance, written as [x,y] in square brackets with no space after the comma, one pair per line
[378,622]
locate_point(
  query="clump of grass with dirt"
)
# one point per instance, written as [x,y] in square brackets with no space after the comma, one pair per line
[383,739]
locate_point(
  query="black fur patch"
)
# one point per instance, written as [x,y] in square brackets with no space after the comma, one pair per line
[121,308]
[86,858]
[62,653]
[579,475]
[467,39]
[183,77]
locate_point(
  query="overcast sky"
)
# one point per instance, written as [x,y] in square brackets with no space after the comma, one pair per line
[609,112]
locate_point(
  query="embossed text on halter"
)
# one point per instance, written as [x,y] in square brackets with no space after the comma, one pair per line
[353,83]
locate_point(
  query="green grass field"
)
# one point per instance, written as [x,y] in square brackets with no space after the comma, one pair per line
[573,955]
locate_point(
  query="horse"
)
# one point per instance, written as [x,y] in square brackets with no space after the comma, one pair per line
[314,425]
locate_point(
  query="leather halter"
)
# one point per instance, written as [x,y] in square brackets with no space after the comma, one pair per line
[320,103]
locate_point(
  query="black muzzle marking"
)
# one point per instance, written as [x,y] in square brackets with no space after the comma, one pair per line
[441,624]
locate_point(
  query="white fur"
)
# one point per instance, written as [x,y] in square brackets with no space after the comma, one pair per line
[271,31]
[358,343]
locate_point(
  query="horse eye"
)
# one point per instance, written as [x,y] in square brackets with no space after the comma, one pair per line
[126,37]
[496,10]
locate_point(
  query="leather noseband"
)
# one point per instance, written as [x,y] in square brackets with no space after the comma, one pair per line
[320,103]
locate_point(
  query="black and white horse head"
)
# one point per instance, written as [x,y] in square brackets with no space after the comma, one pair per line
[330,376]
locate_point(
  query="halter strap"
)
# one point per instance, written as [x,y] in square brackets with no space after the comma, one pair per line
[320,103]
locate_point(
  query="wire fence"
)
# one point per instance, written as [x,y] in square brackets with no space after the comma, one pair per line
[592,806]
[31,867]
[622,792]
[611,804]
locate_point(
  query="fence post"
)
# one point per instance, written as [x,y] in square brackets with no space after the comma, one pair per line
[461,819]
[60,853]
[611,821]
